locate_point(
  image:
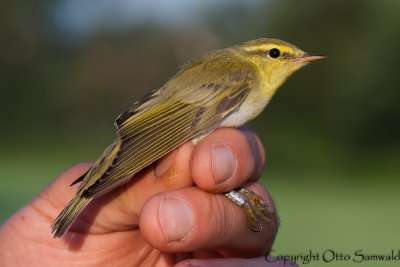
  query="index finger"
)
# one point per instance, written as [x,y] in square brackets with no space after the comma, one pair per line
[226,159]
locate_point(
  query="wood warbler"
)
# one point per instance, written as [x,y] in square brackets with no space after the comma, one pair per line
[223,88]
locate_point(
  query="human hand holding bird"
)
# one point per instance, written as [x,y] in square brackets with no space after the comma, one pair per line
[223,88]
[163,217]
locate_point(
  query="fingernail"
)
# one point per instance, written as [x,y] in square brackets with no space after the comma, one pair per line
[163,165]
[223,163]
[176,219]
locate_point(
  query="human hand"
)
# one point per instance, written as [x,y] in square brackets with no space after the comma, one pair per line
[166,214]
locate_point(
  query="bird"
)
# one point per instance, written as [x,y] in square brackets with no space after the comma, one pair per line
[222,88]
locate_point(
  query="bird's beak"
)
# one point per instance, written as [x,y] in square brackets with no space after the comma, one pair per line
[306,58]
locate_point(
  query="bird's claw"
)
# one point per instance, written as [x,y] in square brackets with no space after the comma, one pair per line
[256,209]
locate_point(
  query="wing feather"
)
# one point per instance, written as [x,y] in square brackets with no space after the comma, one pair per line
[150,129]
[142,146]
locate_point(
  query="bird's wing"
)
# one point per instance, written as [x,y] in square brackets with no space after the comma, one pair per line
[152,128]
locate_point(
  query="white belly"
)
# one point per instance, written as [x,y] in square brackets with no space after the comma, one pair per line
[249,109]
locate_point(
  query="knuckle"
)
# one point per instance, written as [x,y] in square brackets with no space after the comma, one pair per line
[223,222]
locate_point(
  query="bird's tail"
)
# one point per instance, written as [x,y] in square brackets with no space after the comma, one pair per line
[64,221]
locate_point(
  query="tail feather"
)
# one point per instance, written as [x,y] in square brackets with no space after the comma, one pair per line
[64,221]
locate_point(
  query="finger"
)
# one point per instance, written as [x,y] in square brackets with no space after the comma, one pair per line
[236,262]
[188,219]
[226,159]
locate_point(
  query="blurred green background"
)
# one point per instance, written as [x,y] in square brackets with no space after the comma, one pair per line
[68,68]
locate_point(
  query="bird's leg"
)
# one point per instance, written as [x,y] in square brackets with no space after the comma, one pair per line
[255,207]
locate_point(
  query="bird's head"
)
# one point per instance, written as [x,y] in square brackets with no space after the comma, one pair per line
[276,59]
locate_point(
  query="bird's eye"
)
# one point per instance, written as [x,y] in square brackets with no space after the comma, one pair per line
[274,53]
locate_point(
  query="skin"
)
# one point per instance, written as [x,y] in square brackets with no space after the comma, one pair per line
[134,224]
